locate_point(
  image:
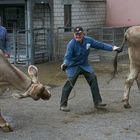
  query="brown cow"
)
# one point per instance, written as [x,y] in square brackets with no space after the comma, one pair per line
[11,76]
[132,37]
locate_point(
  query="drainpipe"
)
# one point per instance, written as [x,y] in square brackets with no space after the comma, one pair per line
[29,29]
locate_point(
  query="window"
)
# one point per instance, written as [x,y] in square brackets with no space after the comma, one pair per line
[14,17]
[67,17]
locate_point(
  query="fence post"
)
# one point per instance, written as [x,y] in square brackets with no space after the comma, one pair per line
[113,36]
[14,45]
[29,9]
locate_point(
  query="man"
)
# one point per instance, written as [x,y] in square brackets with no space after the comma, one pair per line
[4,41]
[76,63]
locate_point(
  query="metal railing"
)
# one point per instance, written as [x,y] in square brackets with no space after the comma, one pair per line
[20,49]
[42,44]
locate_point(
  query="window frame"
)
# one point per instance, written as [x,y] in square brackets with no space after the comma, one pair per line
[67,17]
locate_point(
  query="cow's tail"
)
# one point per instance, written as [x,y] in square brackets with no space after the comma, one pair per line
[115,62]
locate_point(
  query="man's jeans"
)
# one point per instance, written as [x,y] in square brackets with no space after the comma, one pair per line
[92,81]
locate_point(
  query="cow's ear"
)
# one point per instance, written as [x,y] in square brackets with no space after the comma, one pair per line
[33,73]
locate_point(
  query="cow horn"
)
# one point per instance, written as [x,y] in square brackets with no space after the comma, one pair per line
[33,73]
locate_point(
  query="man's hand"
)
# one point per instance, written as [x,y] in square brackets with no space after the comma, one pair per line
[117,49]
[63,67]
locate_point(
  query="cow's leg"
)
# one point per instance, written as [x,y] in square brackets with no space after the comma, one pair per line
[138,81]
[4,125]
[128,84]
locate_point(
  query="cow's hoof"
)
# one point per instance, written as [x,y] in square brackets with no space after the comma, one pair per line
[127,106]
[6,128]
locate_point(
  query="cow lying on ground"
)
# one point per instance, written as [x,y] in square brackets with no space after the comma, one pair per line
[132,37]
[11,76]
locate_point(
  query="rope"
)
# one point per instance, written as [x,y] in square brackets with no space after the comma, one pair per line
[54,77]
[73,88]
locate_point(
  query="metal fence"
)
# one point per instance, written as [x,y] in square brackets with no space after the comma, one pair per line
[42,44]
[20,49]
[62,38]
[111,35]
[43,47]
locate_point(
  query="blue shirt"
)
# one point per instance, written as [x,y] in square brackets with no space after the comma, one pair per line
[4,42]
[77,54]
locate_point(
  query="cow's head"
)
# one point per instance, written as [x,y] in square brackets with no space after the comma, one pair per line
[35,90]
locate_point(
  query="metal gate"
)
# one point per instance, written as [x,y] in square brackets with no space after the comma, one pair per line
[21,52]
[42,44]
[20,49]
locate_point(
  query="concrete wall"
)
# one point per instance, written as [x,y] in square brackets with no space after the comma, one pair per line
[123,12]
[87,14]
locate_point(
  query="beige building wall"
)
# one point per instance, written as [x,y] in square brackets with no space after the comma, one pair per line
[85,13]
[123,12]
